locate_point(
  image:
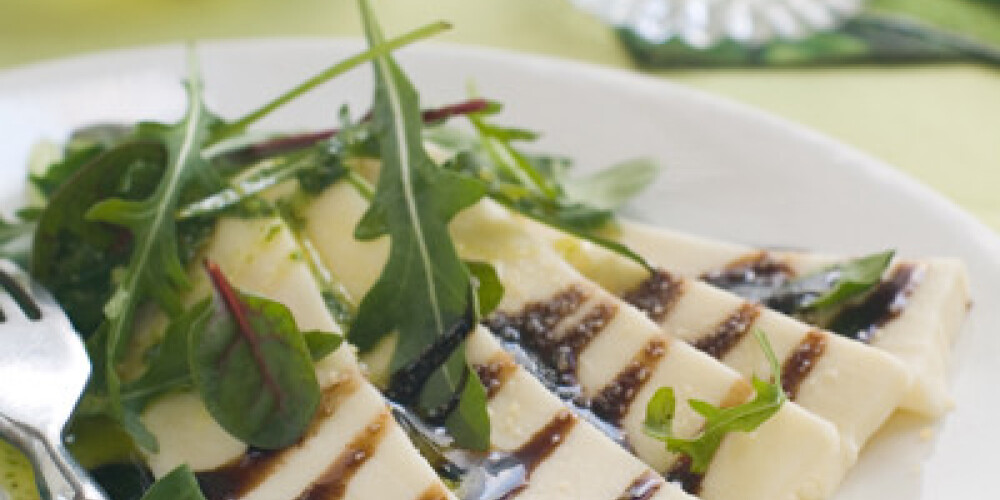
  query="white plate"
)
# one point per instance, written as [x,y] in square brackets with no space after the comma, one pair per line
[731,172]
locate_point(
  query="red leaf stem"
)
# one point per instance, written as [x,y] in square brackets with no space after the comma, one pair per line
[292,142]
[239,313]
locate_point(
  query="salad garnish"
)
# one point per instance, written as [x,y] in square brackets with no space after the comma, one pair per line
[719,422]
[430,287]
[539,187]
[127,210]
[817,298]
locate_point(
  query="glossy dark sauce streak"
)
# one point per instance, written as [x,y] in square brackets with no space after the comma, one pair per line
[729,332]
[565,353]
[553,357]
[801,361]
[536,450]
[751,275]
[883,304]
[333,483]
[534,328]
[656,295]
[243,474]
[236,478]
[680,472]
[495,373]
[612,403]
[643,488]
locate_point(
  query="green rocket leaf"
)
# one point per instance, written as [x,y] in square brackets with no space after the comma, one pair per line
[718,421]
[424,292]
[154,267]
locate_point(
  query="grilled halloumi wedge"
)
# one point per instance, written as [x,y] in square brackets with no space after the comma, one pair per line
[930,303]
[619,359]
[853,386]
[355,449]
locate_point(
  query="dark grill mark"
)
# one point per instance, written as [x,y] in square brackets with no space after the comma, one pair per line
[729,332]
[682,474]
[333,483]
[495,372]
[236,478]
[565,353]
[536,450]
[613,401]
[801,361]
[534,329]
[753,276]
[243,474]
[435,492]
[644,487]
[536,319]
[656,295]
[883,304]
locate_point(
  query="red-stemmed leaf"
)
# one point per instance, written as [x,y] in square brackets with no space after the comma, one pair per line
[252,367]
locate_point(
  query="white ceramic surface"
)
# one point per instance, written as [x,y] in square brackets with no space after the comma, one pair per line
[730,172]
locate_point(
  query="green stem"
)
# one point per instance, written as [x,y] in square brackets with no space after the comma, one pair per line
[240,126]
[361,185]
[512,161]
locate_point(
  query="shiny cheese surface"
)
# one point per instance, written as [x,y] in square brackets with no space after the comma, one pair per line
[795,455]
[854,386]
[259,256]
[920,336]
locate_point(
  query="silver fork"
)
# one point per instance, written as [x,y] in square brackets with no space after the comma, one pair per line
[43,370]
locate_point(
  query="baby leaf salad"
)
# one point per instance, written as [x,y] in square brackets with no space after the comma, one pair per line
[124,215]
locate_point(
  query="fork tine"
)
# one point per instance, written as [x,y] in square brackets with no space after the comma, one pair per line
[9,308]
[16,299]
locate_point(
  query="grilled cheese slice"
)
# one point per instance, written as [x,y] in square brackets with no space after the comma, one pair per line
[853,386]
[355,449]
[920,334]
[795,455]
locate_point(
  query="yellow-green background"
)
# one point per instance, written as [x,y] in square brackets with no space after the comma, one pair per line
[939,123]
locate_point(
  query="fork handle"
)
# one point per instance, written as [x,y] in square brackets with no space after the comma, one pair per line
[57,473]
[76,484]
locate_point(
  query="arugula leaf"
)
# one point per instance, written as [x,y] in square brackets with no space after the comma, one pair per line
[452,396]
[489,289]
[154,268]
[660,414]
[14,236]
[853,278]
[316,165]
[253,368]
[377,50]
[169,368]
[718,421]
[497,141]
[829,288]
[536,187]
[83,146]
[612,187]
[321,344]
[424,291]
[179,484]
[10,231]
[75,257]
[469,423]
